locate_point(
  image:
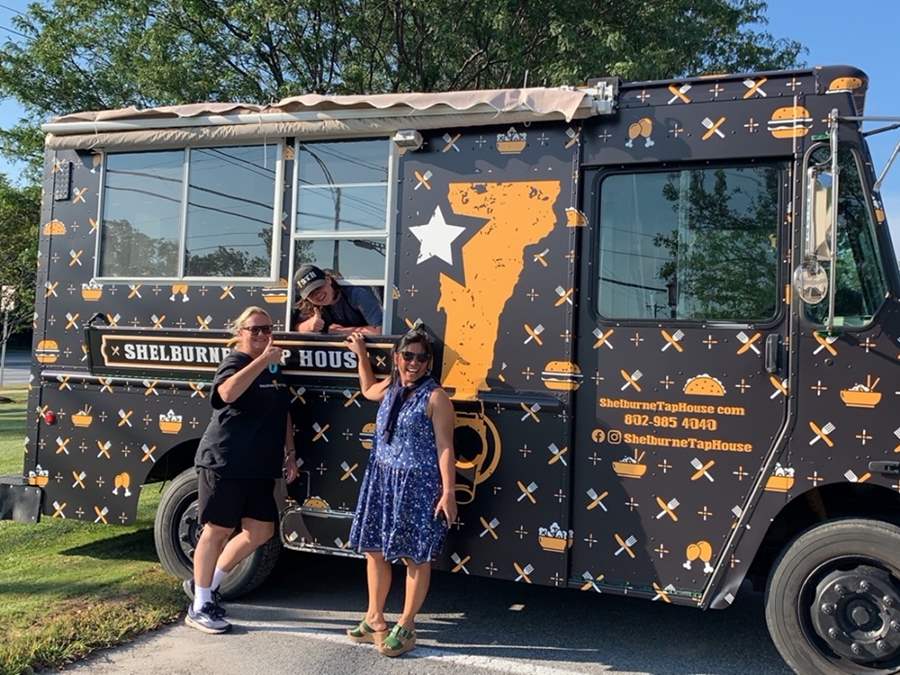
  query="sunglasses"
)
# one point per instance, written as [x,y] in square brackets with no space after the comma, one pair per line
[258,330]
[421,357]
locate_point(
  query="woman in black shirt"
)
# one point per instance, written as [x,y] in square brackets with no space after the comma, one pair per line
[239,457]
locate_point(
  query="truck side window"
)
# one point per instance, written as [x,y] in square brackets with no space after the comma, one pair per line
[342,220]
[231,196]
[141,224]
[218,225]
[696,244]
[860,285]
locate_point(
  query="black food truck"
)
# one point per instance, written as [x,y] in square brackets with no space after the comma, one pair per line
[667,313]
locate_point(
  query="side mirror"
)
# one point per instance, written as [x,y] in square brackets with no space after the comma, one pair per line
[818,213]
[810,278]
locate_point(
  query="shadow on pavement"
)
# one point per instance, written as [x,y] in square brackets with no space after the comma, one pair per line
[473,616]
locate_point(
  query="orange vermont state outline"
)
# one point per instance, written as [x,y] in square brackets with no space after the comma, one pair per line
[518,214]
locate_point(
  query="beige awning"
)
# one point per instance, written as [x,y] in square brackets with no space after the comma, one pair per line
[315,116]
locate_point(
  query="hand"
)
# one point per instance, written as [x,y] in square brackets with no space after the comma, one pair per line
[271,354]
[313,324]
[446,505]
[356,343]
[291,472]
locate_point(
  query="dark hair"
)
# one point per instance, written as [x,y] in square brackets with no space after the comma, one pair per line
[415,336]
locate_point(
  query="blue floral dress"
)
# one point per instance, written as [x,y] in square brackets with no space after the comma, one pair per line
[402,485]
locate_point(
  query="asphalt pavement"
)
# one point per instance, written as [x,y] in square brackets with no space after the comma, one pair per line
[295,623]
[17,369]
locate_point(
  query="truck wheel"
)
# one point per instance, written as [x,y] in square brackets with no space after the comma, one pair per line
[176,530]
[833,599]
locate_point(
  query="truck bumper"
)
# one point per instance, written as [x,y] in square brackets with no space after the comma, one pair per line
[19,502]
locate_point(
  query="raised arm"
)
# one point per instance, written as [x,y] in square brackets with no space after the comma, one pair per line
[230,389]
[371,388]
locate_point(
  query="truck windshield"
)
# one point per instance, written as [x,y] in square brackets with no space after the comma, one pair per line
[860,284]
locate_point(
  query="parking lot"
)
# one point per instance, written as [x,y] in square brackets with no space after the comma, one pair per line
[296,623]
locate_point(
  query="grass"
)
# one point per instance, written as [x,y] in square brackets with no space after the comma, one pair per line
[68,588]
[12,430]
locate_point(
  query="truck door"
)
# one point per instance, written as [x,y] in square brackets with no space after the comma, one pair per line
[682,330]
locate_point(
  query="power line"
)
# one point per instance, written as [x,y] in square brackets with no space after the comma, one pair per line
[15,32]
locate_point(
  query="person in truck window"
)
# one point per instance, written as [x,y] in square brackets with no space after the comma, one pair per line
[327,307]
[407,496]
[248,444]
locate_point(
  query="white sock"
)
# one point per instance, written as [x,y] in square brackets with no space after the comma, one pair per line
[201,597]
[218,575]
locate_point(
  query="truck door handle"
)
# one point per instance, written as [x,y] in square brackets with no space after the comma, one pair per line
[885,467]
[773,347]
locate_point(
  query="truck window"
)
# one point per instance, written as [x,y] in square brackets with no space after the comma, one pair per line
[189,213]
[342,221]
[697,244]
[141,223]
[860,286]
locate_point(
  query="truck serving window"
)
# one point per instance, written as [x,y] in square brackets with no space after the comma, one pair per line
[860,285]
[192,213]
[342,222]
[692,244]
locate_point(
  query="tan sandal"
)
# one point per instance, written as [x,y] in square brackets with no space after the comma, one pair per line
[364,633]
[398,641]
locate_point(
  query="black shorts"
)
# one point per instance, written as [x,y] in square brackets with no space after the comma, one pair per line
[225,501]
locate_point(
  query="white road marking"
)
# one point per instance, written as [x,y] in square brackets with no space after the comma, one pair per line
[496,664]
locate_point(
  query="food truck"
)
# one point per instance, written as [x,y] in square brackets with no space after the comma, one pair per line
[666,312]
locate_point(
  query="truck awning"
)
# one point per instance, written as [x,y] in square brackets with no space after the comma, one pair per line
[313,115]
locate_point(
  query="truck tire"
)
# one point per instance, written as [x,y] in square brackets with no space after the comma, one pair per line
[176,530]
[833,599]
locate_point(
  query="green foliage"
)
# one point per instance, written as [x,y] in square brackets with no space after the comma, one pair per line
[89,54]
[19,217]
[70,587]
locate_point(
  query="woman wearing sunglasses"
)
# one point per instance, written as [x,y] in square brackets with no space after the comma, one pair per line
[406,499]
[239,457]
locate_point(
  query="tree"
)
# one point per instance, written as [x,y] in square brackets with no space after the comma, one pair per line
[88,54]
[19,216]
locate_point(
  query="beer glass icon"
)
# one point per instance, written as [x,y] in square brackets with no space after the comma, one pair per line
[478,449]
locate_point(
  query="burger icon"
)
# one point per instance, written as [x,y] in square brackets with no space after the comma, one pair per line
[367,435]
[47,351]
[561,376]
[843,84]
[791,121]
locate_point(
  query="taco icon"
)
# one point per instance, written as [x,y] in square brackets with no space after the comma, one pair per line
[316,504]
[54,227]
[704,385]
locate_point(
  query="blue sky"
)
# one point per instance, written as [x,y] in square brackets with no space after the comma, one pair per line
[833,33]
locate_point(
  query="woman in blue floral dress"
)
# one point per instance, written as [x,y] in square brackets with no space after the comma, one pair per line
[406,499]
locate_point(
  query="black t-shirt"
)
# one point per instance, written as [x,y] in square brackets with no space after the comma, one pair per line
[245,439]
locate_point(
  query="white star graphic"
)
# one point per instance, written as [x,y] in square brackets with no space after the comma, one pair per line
[435,238]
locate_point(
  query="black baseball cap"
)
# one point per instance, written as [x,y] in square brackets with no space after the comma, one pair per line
[307,279]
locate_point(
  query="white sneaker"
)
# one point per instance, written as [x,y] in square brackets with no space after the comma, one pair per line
[207,620]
